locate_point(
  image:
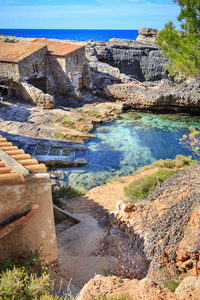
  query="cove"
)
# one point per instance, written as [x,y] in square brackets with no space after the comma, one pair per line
[124,145]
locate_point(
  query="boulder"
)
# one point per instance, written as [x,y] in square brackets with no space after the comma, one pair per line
[147,35]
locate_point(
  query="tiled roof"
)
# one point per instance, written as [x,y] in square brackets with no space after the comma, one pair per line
[7,176]
[59,48]
[14,52]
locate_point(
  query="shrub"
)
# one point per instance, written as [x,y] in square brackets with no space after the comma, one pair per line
[140,188]
[18,284]
[65,192]
[59,135]
[192,141]
[171,285]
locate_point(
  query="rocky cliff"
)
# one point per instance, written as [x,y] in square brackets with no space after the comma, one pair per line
[160,96]
[122,61]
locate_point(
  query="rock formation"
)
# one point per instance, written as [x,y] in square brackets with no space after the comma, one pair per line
[147,35]
[121,60]
[167,222]
[144,289]
[160,96]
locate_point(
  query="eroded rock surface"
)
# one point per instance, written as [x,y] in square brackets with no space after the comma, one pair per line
[147,35]
[141,61]
[167,222]
[159,96]
[143,289]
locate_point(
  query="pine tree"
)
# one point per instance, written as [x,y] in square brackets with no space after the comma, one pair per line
[183,47]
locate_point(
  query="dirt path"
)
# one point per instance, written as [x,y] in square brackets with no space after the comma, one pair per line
[99,201]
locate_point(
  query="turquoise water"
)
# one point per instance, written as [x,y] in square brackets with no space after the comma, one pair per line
[124,145]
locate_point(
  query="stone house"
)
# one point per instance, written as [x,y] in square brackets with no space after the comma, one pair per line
[24,61]
[26,209]
[65,64]
[40,67]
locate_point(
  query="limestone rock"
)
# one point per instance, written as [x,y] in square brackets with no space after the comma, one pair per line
[121,60]
[36,96]
[180,97]
[115,287]
[189,288]
[147,35]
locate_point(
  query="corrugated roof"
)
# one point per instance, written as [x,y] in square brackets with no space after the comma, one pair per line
[14,52]
[59,48]
[7,176]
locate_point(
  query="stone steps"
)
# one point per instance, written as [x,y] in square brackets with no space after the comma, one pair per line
[75,245]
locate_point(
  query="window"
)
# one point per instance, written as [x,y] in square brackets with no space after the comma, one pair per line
[35,68]
[76,59]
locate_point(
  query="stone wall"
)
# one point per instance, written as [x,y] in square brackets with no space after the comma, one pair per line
[36,63]
[64,72]
[36,96]
[73,65]
[9,70]
[56,73]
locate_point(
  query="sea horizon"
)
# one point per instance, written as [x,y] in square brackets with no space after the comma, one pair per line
[73,34]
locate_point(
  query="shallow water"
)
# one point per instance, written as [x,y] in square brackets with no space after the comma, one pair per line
[124,145]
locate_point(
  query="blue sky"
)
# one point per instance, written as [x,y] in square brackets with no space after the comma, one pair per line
[87,14]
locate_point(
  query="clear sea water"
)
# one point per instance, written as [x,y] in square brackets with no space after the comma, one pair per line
[72,34]
[124,145]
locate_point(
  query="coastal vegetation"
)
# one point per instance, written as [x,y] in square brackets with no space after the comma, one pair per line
[26,277]
[192,141]
[183,47]
[66,192]
[142,187]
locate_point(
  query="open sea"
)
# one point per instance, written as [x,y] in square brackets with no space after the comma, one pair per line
[72,34]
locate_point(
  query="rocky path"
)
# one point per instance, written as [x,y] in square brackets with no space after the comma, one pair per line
[70,121]
[134,277]
[98,203]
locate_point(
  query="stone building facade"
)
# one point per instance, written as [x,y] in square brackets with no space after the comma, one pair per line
[26,209]
[23,61]
[52,67]
[65,66]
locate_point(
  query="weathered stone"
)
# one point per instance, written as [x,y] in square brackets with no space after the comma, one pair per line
[179,97]
[36,96]
[189,288]
[147,35]
[137,60]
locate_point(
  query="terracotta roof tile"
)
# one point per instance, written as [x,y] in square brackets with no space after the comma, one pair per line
[11,179]
[59,48]
[14,52]
[7,176]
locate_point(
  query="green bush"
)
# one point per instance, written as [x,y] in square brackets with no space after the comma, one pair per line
[17,284]
[65,192]
[171,285]
[179,163]
[140,188]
